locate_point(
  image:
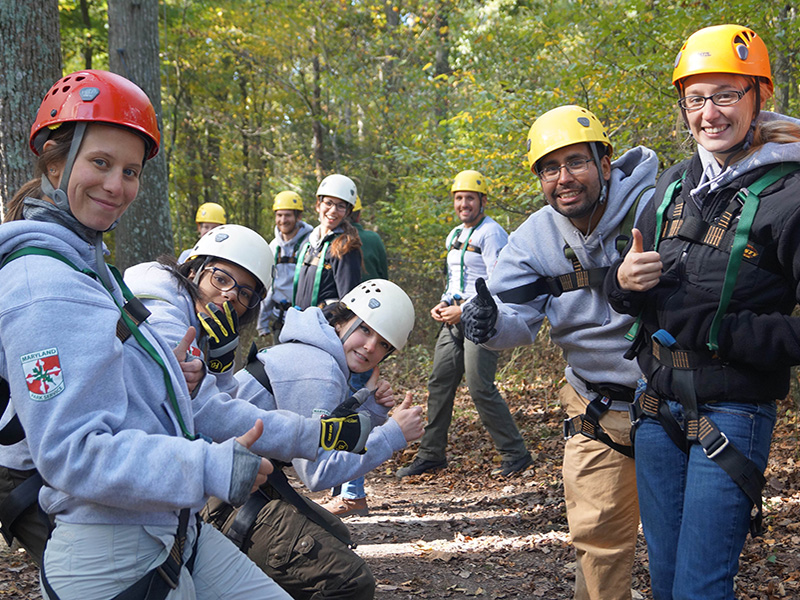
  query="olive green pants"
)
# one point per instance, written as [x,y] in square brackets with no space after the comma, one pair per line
[303,558]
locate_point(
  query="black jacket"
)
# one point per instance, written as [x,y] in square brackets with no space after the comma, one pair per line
[758,339]
[339,276]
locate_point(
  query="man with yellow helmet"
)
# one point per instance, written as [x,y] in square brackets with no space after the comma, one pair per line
[553,267]
[209,215]
[472,248]
[290,233]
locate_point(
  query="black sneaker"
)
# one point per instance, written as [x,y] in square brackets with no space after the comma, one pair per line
[512,467]
[420,466]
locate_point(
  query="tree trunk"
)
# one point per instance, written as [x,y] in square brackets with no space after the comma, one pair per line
[30,62]
[145,231]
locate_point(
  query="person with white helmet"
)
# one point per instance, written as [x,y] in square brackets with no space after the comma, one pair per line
[306,549]
[329,262]
[472,249]
[107,418]
[209,215]
[553,267]
[713,273]
[290,233]
[351,497]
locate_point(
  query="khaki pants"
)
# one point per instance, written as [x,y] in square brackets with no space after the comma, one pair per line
[602,505]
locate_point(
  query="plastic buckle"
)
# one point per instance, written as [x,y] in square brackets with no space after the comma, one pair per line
[569,430]
[172,583]
[718,447]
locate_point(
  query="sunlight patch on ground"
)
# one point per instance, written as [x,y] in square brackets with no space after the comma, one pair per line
[443,549]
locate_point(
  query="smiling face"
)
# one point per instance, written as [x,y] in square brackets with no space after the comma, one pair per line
[331,211]
[286,221]
[719,128]
[210,293]
[364,348]
[468,207]
[575,196]
[105,175]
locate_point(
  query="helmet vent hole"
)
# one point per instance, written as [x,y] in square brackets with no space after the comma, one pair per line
[81,78]
[66,88]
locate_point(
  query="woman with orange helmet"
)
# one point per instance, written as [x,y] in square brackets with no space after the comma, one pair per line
[107,417]
[713,272]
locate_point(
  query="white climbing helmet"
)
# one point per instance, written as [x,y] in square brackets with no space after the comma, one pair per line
[241,246]
[385,307]
[338,186]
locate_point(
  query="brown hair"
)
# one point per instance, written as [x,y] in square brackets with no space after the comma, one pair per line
[337,313]
[345,242]
[53,155]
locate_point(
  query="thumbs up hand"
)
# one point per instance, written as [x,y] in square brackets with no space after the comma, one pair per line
[640,270]
[479,314]
[409,417]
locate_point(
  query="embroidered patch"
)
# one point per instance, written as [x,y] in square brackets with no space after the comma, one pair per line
[43,374]
[194,352]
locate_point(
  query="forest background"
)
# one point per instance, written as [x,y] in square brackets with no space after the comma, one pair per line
[262,96]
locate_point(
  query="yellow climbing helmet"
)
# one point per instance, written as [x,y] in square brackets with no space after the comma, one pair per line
[287,200]
[561,127]
[358,204]
[723,49]
[210,212]
[470,181]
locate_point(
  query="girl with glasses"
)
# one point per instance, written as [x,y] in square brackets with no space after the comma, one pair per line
[329,262]
[713,272]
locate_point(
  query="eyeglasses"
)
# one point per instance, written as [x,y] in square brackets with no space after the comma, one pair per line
[225,282]
[339,206]
[726,98]
[576,166]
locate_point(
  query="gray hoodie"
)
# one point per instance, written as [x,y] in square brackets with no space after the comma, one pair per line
[100,427]
[286,435]
[582,323]
[308,373]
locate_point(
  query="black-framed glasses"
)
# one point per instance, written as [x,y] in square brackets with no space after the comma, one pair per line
[726,98]
[339,206]
[225,282]
[576,166]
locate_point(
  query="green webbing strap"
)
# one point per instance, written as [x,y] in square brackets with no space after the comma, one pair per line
[672,190]
[317,273]
[148,347]
[297,268]
[750,197]
[463,248]
[131,324]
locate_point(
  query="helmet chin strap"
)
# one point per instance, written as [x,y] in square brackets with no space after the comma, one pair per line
[59,196]
[603,183]
[351,329]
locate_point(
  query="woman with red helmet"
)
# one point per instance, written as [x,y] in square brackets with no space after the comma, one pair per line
[107,417]
[713,271]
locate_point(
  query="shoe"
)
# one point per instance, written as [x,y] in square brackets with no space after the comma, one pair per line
[512,467]
[345,507]
[420,466]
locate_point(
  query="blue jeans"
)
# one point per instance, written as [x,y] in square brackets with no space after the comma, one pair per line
[695,518]
[355,489]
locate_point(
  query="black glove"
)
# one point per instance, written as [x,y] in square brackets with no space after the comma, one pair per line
[479,315]
[345,428]
[222,327]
